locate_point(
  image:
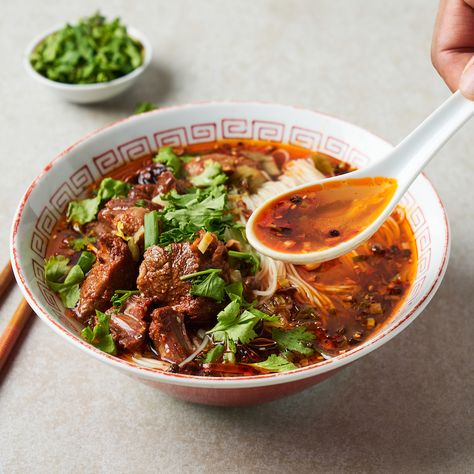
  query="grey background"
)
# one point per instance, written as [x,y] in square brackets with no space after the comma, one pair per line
[407,407]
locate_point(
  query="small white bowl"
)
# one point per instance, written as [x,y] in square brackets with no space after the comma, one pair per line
[90,93]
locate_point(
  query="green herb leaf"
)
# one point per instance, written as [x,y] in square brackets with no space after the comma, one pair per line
[120,296]
[211,287]
[140,203]
[81,243]
[214,354]
[100,336]
[84,211]
[294,340]
[276,364]
[209,271]
[152,231]
[235,290]
[86,260]
[91,51]
[250,257]
[64,279]
[211,176]
[142,107]
[235,326]
[167,156]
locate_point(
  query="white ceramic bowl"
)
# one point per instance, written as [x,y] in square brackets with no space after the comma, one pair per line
[90,93]
[96,155]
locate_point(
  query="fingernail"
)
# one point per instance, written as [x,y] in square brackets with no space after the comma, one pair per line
[466,85]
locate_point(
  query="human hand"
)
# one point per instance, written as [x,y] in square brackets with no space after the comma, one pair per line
[452,49]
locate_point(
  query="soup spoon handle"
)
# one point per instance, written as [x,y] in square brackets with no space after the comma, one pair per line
[414,152]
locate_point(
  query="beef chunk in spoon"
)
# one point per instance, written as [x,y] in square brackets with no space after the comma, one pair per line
[168,334]
[113,270]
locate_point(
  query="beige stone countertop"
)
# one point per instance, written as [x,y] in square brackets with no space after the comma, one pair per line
[405,408]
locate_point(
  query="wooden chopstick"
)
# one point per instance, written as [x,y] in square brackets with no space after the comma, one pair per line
[17,322]
[6,279]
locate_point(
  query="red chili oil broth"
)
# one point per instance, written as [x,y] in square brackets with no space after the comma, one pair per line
[323,215]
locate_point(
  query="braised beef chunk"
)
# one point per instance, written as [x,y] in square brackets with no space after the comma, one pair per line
[168,334]
[113,270]
[161,269]
[129,333]
[125,211]
[128,324]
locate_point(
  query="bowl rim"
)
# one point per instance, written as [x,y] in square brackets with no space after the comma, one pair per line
[380,338]
[133,32]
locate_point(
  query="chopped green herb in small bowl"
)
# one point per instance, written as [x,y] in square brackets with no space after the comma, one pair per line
[89,61]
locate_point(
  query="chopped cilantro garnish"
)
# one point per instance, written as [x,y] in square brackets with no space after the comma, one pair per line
[276,364]
[86,210]
[142,107]
[251,257]
[214,354]
[64,279]
[140,203]
[211,176]
[81,243]
[211,287]
[238,326]
[294,340]
[100,336]
[209,271]
[169,158]
[91,51]
[120,296]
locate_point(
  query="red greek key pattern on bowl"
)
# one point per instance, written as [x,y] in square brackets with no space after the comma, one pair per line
[135,149]
[61,197]
[80,179]
[416,218]
[46,222]
[235,128]
[357,158]
[38,270]
[335,147]
[50,297]
[203,132]
[266,130]
[306,138]
[424,262]
[172,137]
[38,245]
[423,240]
[107,162]
[415,290]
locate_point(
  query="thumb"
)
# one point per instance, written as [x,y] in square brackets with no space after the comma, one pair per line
[466,85]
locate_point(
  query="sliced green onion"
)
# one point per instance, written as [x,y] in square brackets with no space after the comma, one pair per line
[151,229]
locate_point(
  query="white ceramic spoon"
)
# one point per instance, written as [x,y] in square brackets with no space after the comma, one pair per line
[404,163]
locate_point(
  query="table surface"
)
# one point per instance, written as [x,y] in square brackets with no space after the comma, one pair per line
[408,407]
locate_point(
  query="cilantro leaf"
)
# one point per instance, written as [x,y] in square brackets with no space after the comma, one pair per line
[212,286]
[276,364]
[85,210]
[168,157]
[237,326]
[250,257]
[293,339]
[93,50]
[211,176]
[64,279]
[235,290]
[100,336]
[142,107]
[81,243]
[214,354]
[120,296]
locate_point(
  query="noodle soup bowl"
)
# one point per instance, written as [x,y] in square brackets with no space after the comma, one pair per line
[99,153]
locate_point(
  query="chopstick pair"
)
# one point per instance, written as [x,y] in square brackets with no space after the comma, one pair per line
[17,322]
